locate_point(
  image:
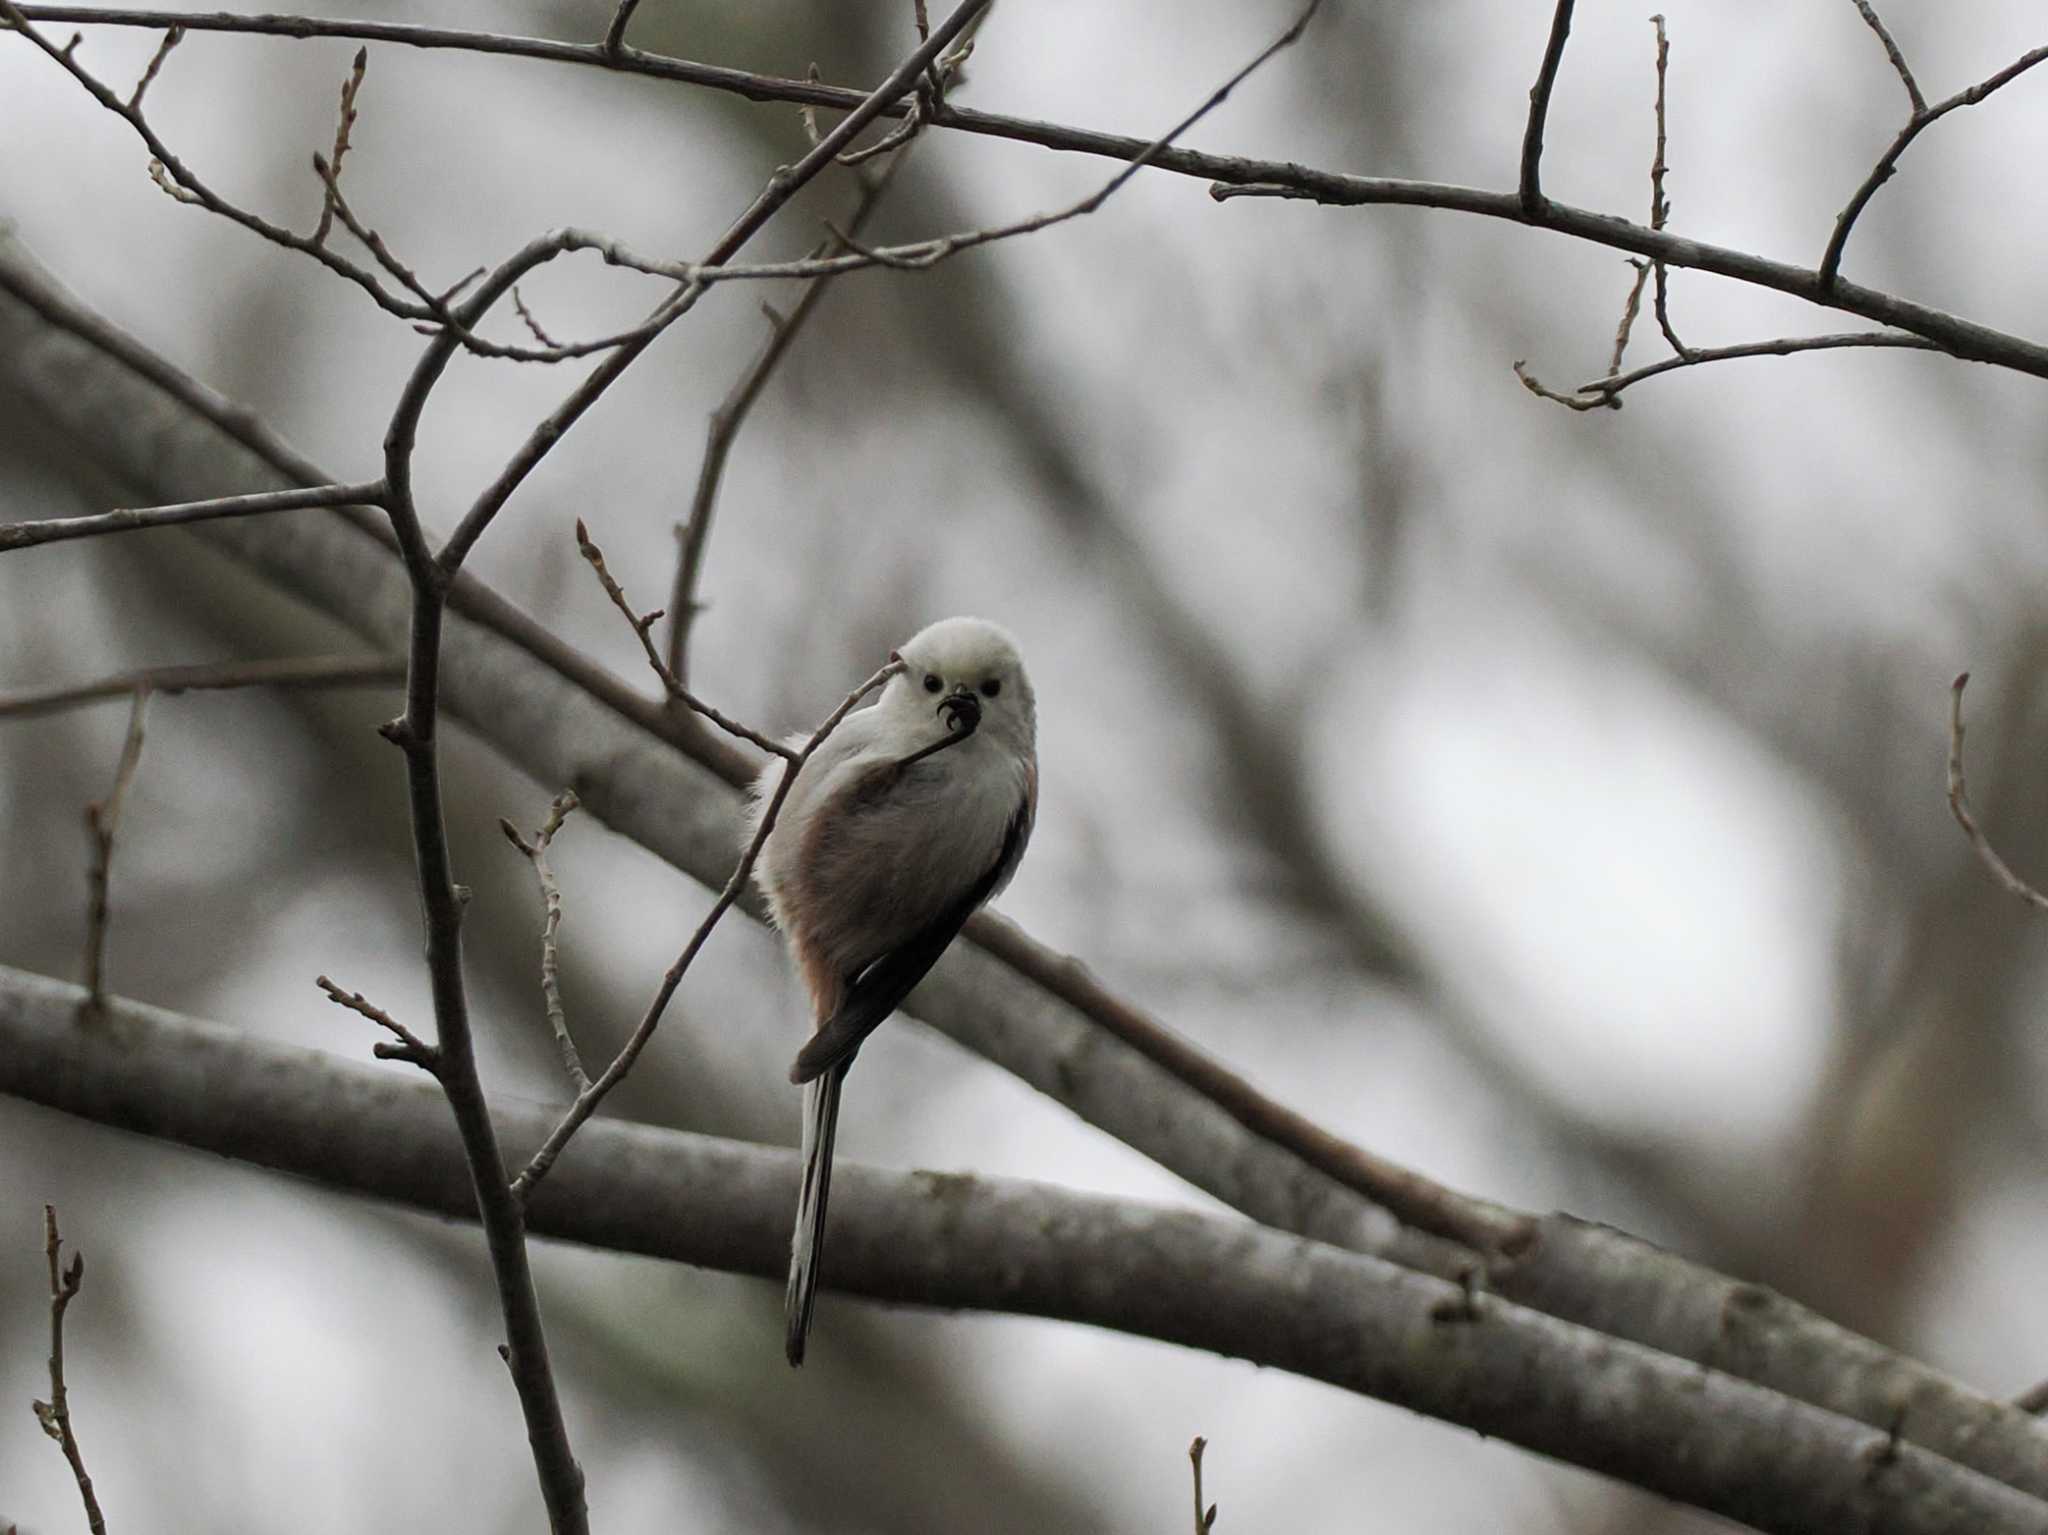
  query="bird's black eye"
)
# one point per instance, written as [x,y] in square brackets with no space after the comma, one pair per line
[990,688]
[932,683]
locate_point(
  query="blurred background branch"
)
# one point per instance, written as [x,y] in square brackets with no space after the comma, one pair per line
[1553,807]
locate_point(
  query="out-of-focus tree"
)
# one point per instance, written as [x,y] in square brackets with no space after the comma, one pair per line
[1548,798]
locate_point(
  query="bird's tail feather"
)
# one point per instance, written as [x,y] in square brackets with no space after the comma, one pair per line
[807,1244]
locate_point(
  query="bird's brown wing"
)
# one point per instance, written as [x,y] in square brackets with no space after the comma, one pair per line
[880,988]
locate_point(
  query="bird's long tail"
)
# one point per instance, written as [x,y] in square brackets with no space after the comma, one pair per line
[807,1244]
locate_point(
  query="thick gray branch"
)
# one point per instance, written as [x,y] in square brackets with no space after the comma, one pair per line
[1208,1282]
[565,720]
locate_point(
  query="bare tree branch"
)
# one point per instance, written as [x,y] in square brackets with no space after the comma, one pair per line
[781,187]
[1205,1521]
[643,626]
[179,180]
[171,40]
[1233,176]
[1891,51]
[55,1414]
[344,125]
[1959,805]
[723,429]
[593,1093]
[410,1047]
[563,719]
[1539,107]
[1207,1282]
[292,672]
[102,820]
[1598,392]
[23,535]
[1923,118]
[615,34]
[536,853]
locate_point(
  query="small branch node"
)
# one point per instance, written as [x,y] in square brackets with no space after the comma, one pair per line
[409,1047]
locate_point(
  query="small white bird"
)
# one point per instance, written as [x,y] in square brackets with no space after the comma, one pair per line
[910,815]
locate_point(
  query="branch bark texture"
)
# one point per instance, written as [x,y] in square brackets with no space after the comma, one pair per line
[565,720]
[1209,1282]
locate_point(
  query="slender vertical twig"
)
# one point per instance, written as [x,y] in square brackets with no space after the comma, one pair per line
[55,1414]
[102,818]
[536,853]
[1539,107]
[1205,1518]
[1660,207]
[344,125]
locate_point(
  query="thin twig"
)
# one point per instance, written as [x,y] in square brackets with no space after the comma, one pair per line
[55,1414]
[782,186]
[1539,107]
[724,426]
[344,125]
[102,819]
[1660,207]
[536,853]
[172,38]
[1959,805]
[1232,176]
[23,535]
[1595,393]
[533,326]
[1891,51]
[178,179]
[1628,316]
[1205,1520]
[289,672]
[409,1047]
[615,34]
[642,624]
[1923,118]
[587,1101]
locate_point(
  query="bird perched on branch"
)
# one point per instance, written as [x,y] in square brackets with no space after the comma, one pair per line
[905,819]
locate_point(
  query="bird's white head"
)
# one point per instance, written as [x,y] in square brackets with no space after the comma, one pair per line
[966,671]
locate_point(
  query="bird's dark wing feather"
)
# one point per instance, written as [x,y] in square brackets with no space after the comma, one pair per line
[879,989]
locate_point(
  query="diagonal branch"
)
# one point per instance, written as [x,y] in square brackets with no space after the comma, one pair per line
[782,186]
[724,427]
[562,718]
[593,1093]
[1923,118]
[1207,1282]
[24,535]
[210,676]
[1891,51]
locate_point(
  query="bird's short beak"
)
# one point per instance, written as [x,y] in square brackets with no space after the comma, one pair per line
[961,710]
